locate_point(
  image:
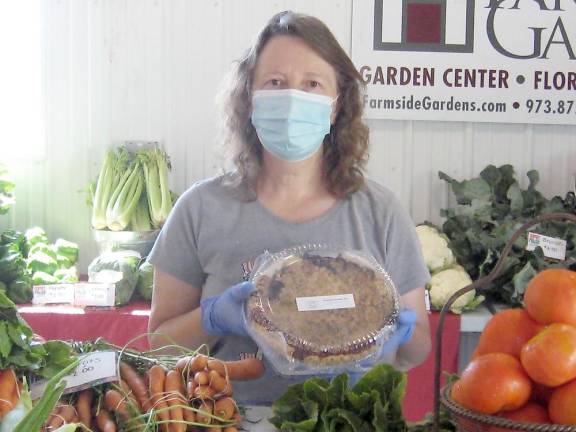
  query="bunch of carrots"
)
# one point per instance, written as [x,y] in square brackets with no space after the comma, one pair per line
[195,394]
[10,388]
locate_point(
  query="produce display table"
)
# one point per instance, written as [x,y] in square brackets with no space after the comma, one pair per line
[120,325]
[116,325]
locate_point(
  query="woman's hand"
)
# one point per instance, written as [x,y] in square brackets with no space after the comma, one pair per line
[404,330]
[222,314]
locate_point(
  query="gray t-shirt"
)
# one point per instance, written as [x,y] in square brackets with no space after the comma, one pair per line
[212,237]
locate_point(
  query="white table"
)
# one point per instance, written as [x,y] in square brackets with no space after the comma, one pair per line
[256,419]
[471,325]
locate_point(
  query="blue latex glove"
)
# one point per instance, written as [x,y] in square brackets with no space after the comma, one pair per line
[403,333]
[222,314]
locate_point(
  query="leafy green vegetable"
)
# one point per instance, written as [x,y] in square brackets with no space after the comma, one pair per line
[374,404]
[20,351]
[66,275]
[145,283]
[125,198]
[35,235]
[118,267]
[67,249]
[12,264]
[156,166]
[43,278]
[41,262]
[6,189]
[20,290]
[489,210]
[141,217]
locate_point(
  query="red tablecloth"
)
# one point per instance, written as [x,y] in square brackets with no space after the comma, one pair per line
[420,393]
[123,324]
[117,325]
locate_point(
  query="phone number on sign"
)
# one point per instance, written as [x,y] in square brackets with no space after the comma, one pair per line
[548,106]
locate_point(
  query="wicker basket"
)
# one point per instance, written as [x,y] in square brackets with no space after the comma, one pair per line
[470,421]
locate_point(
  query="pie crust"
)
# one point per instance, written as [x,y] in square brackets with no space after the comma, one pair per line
[322,337]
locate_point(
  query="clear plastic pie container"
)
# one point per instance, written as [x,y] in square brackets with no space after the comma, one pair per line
[320,309]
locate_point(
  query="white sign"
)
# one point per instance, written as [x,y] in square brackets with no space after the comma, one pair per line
[94,368]
[467,60]
[77,294]
[552,247]
[57,293]
[94,294]
[317,303]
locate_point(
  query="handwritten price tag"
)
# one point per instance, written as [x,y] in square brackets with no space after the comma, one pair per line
[94,368]
[94,294]
[54,293]
[552,247]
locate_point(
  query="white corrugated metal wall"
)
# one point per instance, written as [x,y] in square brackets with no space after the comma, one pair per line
[119,70]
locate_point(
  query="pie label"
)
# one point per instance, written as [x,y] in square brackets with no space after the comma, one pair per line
[317,303]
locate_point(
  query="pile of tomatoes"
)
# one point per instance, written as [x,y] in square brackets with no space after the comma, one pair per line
[524,367]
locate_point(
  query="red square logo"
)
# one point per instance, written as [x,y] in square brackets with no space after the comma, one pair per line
[423,23]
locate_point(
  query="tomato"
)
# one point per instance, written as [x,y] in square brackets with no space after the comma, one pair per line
[562,406]
[550,296]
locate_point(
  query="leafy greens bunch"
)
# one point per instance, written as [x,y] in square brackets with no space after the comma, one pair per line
[374,404]
[488,210]
[6,189]
[18,350]
[132,191]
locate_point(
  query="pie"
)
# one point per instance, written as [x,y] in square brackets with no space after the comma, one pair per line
[327,336]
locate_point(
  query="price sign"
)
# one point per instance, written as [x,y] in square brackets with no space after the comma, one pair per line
[94,368]
[54,293]
[94,294]
[552,247]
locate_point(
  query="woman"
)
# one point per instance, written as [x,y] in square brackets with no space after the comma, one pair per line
[293,113]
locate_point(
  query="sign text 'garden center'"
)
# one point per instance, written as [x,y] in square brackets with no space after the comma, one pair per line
[467,60]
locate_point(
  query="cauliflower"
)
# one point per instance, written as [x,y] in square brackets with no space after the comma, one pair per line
[445,283]
[434,244]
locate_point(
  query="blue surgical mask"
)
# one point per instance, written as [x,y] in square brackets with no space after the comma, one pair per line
[291,124]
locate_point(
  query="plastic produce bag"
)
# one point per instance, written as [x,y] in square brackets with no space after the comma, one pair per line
[145,280]
[118,267]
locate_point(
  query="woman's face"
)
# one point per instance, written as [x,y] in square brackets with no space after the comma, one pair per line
[287,62]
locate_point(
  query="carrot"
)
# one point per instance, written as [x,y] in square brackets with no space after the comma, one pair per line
[214,429]
[225,408]
[206,407]
[198,363]
[201,378]
[190,387]
[129,395]
[184,366]
[174,388]
[241,370]
[204,392]
[116,402]
[84,405]
[136,384]
[8,384]
[55,420]
[104,421]
[219,383]
[230,429]
[67,413]
[156,379]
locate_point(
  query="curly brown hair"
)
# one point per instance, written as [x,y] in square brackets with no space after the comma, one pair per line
[345,147]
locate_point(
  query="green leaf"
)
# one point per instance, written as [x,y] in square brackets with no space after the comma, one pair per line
[520,279]
[5,344]
[58,356]
[340,419]
[514,194]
